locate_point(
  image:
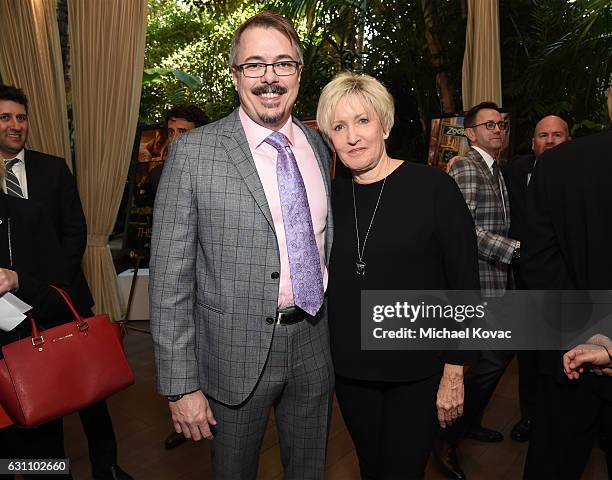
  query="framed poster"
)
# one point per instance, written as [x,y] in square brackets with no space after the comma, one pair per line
[150,152]
[447,140]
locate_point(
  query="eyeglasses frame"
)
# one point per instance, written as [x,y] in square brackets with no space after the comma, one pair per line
[506,123]
[266,65]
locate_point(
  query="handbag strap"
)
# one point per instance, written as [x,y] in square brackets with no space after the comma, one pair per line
[82,325]
[77,318]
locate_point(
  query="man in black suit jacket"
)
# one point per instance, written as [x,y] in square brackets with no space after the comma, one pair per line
[567,247]
[46,180]
[549,132]
[30,260]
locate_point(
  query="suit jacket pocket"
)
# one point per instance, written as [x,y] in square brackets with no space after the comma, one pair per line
[209,307]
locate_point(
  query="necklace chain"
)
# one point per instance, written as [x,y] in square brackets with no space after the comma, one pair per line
[361,249]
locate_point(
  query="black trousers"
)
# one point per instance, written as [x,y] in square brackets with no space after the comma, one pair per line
[528,382]
[98,428]
[43,442]
[480,383]
[569,418]
[392,425]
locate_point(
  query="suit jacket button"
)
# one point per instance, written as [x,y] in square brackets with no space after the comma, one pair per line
[269,320]
[275,275]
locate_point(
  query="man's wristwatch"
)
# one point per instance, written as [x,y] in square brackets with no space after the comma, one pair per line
[175,398]
[517,250]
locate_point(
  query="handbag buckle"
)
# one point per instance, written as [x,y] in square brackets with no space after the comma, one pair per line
[36,341]
[83,326]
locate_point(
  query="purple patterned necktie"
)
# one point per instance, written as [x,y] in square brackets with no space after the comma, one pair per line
[304,261]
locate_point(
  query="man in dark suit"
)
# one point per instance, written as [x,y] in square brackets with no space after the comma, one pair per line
[478,177]
[46,180]
[241,238]
[549,132]
[30,260]
[567,247]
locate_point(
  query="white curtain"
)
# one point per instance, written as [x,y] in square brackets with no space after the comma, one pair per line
[481,79]
[31,59]
[107,53]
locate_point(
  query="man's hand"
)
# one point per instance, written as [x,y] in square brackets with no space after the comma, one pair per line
[9,280]
[192,416]
[583,355]
[450,395]
[449,164]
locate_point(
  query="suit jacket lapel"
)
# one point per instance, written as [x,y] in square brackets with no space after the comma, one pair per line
[235,142]
[238,150]
[486,171]
[34,176]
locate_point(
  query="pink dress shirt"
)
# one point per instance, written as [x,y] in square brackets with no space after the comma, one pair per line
[265,156]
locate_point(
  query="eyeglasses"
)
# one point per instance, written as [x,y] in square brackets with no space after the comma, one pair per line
[258,70]
[490,125]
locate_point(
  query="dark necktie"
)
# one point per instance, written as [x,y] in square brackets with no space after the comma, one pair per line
[13,187]
[495,170]
[304,260]
[498,188]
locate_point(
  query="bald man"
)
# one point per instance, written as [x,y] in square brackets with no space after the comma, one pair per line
[549,132]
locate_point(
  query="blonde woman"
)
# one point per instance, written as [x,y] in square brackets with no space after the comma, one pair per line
[398,226]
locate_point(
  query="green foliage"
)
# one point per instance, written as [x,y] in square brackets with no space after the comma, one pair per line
[386,39]
[186,56]
[557,58]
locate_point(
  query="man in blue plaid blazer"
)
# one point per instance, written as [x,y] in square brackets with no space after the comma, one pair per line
[478,176]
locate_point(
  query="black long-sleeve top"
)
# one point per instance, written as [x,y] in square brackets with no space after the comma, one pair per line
[422,238]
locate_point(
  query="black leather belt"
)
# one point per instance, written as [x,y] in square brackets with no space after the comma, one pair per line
[290,315]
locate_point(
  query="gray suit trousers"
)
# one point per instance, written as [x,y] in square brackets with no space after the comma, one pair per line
[297,381]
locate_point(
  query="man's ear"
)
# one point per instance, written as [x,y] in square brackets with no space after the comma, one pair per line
[234,78]
[469,133]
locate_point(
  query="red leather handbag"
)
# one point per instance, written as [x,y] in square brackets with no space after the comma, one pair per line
[62,369]
[5,421]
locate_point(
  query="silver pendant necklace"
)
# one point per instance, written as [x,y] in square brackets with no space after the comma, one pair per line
[360,264]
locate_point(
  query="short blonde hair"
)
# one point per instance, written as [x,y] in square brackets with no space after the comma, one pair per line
[370,91]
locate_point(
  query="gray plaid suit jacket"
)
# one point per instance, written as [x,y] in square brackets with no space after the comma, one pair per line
[495,249]
[213,251]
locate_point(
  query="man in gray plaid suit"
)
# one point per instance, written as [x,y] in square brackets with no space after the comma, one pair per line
[484,190]
[241,237]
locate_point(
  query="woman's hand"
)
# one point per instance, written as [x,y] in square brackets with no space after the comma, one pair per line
[8,280]
[450,395]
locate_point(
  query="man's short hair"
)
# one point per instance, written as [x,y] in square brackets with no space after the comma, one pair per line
[370,91]
[470,117]
[13,94]
[266,20]
[191,113]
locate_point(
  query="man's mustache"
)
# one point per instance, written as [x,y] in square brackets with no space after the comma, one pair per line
[261,89]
